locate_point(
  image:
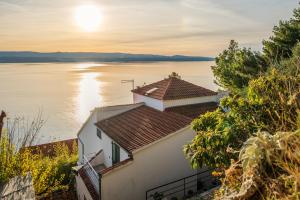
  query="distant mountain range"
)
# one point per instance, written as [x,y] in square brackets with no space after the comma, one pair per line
[29,57]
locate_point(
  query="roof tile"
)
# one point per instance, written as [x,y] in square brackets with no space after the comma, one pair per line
[141,126]
[173,88]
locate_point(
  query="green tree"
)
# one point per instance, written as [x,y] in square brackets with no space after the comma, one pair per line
[285,36]
[271,103]
[235,67]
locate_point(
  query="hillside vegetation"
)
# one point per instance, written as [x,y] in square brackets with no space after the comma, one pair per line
[50,173]
[253,138]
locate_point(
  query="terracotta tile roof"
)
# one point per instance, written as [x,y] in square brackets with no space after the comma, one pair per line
[48,149]
[141,126]
[89,185]
[193,111]
[173,88]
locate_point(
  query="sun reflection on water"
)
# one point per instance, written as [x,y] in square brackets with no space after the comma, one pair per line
[83,66]
[89,95]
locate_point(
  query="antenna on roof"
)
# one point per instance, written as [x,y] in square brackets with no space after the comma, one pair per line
[128,81]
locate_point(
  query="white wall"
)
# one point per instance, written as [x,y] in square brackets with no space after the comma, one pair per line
[163,104]
[88,136]
[106,144]
[157,164]
[188,101]
[151,102]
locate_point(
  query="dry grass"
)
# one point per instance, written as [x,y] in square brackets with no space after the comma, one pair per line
[268,168]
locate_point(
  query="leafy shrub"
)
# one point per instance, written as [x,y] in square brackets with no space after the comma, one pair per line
[9,159]
[49,173]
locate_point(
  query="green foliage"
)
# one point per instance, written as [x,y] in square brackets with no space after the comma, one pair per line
[265,99]
[285,37]
[49,173]
[268,168]
[270,103]
[9,159]
[235,67]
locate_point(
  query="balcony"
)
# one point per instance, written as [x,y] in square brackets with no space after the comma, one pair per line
[89,173]
[92,174]
[184,188]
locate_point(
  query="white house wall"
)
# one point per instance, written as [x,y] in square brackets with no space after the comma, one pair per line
[106,144]
[151,102]
[163,104]
[188,101]
[157,164]
[88,136]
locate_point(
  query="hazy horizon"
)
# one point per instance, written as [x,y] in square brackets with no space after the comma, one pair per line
[185,27]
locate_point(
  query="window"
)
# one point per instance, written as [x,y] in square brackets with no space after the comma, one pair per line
[115,153]
[99,134]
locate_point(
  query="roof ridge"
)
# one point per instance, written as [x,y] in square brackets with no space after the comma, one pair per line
[121,113]
[118,105]
[169,83]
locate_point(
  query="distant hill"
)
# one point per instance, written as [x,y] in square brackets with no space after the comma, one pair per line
[28,57]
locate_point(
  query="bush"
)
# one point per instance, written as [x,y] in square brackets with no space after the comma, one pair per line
[49,173]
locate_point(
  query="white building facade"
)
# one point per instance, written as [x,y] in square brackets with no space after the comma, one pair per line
[126,150]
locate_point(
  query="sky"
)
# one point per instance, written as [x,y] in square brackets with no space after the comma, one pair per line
[169,27]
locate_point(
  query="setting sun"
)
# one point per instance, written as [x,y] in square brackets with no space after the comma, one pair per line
[88,17]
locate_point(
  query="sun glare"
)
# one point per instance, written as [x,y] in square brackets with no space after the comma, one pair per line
[88,17]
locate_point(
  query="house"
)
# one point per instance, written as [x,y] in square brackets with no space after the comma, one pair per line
[127,150]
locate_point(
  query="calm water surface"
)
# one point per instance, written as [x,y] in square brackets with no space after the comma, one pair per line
[66,92]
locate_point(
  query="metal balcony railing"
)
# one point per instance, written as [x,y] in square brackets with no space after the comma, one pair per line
[185,187]
[92,174]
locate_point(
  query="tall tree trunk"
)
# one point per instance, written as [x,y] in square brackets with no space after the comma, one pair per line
[2,116]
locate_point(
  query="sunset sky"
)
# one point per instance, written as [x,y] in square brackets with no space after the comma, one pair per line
[191,27]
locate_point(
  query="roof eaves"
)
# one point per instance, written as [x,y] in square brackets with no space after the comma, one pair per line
[116,166]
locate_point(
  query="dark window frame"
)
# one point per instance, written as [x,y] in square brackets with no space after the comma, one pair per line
[99,133]
[115,153]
